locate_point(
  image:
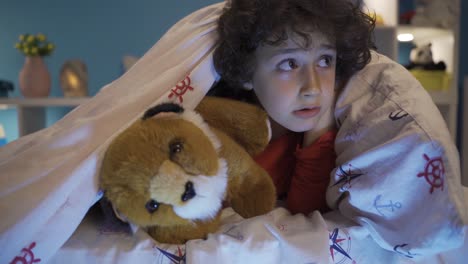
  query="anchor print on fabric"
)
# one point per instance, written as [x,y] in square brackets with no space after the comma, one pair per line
[27,256]
[181,88]
[385,206]
[405,252]
[347,176]
[234,232]
[397,115]
[434,172]
[340,246]
[175,259]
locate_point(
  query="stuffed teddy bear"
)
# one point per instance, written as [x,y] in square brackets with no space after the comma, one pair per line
[172,169]
[421,58]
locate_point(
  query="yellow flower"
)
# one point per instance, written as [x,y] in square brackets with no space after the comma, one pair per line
[34,45]
[41,37]
[34,51]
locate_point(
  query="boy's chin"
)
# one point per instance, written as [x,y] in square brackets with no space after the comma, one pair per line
[299,128]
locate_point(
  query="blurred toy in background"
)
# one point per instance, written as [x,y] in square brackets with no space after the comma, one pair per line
[3,140]
[406,17]
[436,13]
[379,21]
[421,58]
[432,76]
[5,87]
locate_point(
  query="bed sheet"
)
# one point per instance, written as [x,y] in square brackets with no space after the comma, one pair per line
[277,237]
[388,127]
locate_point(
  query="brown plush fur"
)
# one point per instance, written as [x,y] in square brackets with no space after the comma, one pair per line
[239,120]
[138,167]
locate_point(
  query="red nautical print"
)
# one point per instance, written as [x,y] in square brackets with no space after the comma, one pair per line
[181,88]
[434,172]
[27,256]
[282,227]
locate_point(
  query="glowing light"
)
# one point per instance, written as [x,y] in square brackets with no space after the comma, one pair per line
[405,37]
[73,80]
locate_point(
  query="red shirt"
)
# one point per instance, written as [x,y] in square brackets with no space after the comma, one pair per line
[301,174]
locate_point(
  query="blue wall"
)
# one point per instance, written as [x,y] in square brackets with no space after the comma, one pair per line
[99,32]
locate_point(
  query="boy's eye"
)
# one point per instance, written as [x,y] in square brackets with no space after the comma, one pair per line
[288,65]
[325,61]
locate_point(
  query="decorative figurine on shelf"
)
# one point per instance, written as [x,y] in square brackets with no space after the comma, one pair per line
[34,78]
[3,140]
[436,13]
[74,78]
[5,87]
[421,58]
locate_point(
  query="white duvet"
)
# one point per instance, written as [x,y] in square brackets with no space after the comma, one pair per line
[395,192]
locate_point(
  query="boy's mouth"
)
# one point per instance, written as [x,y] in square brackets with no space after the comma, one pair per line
[305,113]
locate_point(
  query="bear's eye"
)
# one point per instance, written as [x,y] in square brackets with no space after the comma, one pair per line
[152,206]
[175,147]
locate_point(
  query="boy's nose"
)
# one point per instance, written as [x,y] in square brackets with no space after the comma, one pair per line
[311,83]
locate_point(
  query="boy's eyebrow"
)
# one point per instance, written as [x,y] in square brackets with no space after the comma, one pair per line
[292,50]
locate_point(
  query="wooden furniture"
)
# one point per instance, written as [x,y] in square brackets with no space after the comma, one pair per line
[444,47]
[31,111]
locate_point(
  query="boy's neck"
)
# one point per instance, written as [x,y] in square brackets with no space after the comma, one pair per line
[277,130]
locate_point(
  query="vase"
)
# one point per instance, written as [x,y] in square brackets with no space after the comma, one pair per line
[34,78]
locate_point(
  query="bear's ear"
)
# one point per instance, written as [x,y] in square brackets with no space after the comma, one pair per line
[163,108]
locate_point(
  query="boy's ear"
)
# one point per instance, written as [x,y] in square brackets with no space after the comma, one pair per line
[248,86]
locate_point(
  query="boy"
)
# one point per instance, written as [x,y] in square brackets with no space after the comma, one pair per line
[291,64]
[309,64]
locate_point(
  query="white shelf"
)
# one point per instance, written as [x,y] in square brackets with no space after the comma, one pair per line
[425,34]
[43,102]
[444,48]
[31,111]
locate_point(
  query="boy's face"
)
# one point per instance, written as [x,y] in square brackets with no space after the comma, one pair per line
[294,84]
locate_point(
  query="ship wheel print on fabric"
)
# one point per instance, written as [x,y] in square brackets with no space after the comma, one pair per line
[175,259]
[181,88]
[347,176]
[434,172]
[340,246]
[27,256]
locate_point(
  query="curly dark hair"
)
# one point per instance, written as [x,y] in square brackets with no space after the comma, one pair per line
[247,24]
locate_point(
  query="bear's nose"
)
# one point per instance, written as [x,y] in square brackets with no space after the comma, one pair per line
[189,192]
